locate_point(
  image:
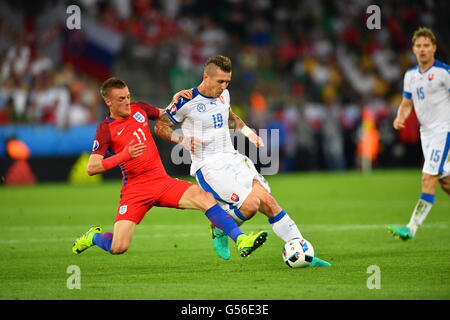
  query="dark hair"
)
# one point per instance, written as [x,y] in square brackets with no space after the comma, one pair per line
[111,83]
[224,63]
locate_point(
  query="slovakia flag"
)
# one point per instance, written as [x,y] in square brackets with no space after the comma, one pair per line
[91,49]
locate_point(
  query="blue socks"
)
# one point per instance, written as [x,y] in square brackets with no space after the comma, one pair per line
[103,240]
[222,220]
[218,217]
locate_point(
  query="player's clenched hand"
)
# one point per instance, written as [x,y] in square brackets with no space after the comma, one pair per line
[256,140]
[137,149]
[398,124]
[183,93]
[191,143]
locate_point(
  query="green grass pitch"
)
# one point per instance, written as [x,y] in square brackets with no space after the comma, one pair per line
[344,215]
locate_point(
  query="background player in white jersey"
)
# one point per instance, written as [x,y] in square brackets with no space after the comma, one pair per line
[231,177]
[427,88]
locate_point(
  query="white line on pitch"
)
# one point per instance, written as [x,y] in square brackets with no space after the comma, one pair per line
[205,233]
[248,225]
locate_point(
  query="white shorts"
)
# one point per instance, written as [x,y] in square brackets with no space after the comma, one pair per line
[230,180]
[435,149]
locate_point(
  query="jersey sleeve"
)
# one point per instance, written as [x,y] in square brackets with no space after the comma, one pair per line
[407,93]
[176,112]
[102,140]
[447,78]
[152,112]
[226,97]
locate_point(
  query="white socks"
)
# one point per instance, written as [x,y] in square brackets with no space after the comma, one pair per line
[284,227]
[420,212]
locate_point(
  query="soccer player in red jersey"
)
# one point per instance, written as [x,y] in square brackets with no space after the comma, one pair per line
[125,134]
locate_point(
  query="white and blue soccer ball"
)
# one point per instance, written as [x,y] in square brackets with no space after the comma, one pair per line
[298,253]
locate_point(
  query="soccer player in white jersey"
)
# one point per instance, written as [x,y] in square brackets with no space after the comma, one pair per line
[426,87]
[231,177]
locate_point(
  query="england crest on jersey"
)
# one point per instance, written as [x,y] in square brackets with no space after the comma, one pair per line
[123,209]
[139,117]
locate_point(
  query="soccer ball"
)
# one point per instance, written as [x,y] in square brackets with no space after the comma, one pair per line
[298,253]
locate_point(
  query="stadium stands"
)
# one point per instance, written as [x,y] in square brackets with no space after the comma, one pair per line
[308,70]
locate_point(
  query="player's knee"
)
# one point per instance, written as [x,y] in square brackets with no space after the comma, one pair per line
[206,198]
[119,248]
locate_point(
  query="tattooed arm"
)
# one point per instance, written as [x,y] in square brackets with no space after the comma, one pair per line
[164,130]
[234,122]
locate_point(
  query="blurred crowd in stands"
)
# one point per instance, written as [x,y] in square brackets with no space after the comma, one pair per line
[34,90]
[305,68]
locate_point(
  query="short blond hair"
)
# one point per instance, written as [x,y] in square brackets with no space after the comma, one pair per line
[424,32]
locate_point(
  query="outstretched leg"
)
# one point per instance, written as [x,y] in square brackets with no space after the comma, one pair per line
[114,243]
[123,233]
[196,198]
[282,224]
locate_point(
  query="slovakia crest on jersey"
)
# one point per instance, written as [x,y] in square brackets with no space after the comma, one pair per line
[430,76]
[172,109]
[139,117]
[95,145]
[234,197]
[201,107]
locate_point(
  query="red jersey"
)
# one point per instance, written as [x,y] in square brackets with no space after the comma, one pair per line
[115,134]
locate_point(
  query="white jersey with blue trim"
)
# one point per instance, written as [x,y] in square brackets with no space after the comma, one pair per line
[430,93]
[205,118]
